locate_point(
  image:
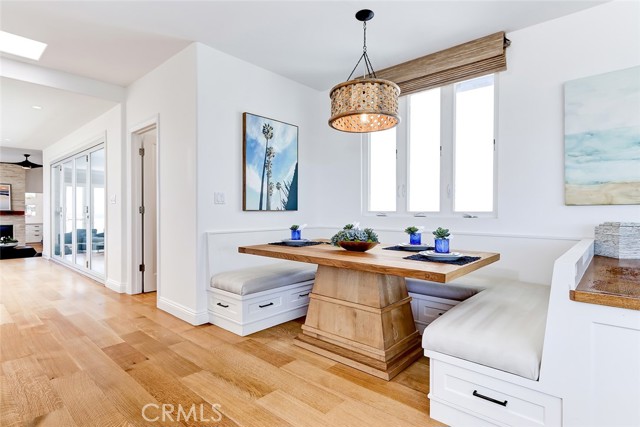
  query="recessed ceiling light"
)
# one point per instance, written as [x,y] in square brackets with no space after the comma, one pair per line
[36,107]
[21,46]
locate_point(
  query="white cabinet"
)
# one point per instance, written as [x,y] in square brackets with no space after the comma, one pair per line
[33,233]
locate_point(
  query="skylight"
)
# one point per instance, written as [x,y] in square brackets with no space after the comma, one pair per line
[21,46]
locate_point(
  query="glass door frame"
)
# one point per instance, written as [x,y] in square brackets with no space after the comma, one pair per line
[88,209]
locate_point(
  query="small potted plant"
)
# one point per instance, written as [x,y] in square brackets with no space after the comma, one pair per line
[415,234]
[352,238]
[295,232]
[442,240]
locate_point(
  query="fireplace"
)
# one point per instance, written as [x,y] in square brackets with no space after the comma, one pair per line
[6,230]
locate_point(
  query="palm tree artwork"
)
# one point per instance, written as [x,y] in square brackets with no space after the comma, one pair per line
[270,157]
[267,131]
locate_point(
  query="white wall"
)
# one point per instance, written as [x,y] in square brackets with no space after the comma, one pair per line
[227,87]
[169,93]
[109,127]
[541,59]
[530,146]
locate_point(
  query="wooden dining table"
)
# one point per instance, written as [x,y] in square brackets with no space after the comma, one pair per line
[359,309]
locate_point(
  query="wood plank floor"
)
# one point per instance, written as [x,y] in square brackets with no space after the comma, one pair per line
[74,353]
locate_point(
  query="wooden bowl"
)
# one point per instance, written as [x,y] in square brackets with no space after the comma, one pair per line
[357,246]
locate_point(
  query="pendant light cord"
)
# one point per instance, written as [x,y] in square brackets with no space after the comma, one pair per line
[367,61]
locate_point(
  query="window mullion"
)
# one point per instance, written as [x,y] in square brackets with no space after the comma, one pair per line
[402,159]
[446,151]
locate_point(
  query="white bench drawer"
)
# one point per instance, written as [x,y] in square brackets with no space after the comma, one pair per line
[225,306]
[429,314]
[300,296]
[493,399]
[265,305]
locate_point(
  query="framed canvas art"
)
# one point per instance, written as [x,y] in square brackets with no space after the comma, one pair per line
[602,139]
[5,197]
[270,164]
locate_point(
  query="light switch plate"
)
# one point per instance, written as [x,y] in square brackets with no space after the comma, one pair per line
[218,198]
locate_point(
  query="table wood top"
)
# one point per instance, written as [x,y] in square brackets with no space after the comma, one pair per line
[376,260]
[610,281]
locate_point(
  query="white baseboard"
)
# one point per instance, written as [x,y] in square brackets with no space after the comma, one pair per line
[116,286]
[182,312]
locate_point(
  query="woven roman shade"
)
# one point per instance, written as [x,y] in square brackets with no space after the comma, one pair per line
[476,58]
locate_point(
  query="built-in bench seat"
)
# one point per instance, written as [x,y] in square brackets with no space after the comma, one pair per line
[486,354]
[502,328]
[252,299]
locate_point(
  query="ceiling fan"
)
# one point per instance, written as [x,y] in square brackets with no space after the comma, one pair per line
[25,164]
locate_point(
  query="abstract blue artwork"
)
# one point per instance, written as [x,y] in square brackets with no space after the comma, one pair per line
[602,139]
[270,156]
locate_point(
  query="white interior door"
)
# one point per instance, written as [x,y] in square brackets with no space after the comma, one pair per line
[149,146]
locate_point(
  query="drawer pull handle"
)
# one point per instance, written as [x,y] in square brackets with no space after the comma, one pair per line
[303,295]
[481,396]
[222,305]
[266,305]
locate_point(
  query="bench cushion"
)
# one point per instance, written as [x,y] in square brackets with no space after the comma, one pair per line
[456,292]
[501,327]
[257,279]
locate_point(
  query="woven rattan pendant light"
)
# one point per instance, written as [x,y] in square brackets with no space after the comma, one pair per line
[366,104]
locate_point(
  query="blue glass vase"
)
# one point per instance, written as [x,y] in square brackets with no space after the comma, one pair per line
[442,246]
[295,234]
[415,238]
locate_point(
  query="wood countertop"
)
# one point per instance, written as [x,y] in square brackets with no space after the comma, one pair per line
[376,260]
[610,281]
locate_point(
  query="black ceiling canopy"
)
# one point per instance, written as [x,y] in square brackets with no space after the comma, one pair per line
[25,164]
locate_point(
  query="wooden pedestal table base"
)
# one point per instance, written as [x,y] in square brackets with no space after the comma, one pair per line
[363,320]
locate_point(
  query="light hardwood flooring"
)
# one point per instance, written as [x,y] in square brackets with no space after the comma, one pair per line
[74,353]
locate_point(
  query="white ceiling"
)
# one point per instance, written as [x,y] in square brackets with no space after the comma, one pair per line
[313,42]
[61,113]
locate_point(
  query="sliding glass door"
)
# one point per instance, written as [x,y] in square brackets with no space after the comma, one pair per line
[67,212]
[81,211]
[78,210]
[56,207]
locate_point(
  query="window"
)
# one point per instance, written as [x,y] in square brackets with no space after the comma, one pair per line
[382,179]
[441,158]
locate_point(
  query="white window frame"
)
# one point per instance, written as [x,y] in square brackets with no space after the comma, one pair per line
[447,165]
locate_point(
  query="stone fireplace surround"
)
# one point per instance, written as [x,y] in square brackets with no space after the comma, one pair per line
[15,175]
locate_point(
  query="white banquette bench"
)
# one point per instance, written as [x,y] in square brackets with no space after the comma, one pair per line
[252,299]
[521,354]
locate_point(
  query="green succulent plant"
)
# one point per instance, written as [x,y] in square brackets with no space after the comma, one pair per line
[294,227]
[7,239]
[351,234]
[441,233]
[411,230]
